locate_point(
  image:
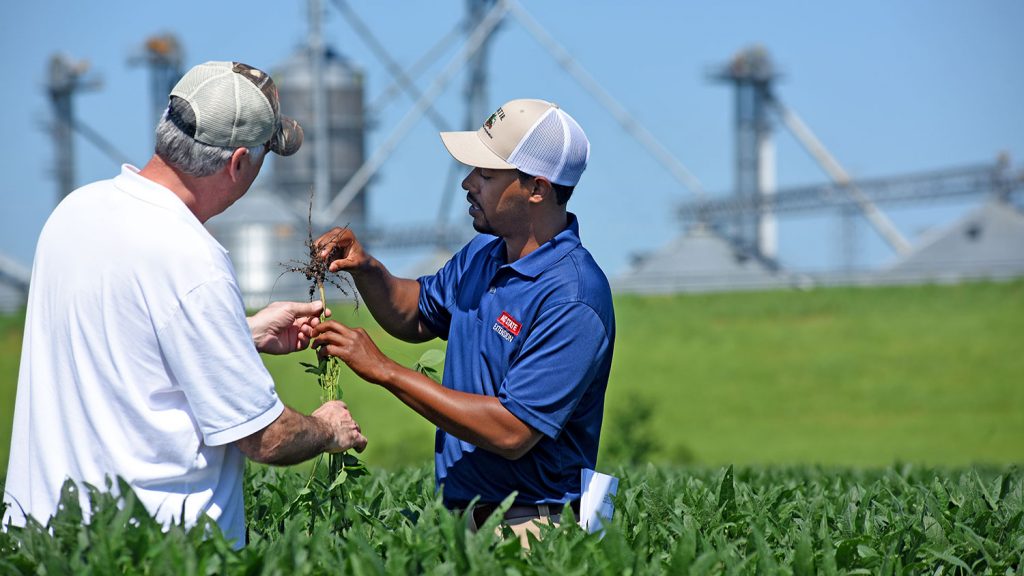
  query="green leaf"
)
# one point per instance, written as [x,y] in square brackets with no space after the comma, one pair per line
[949,558]
[803,555]
[686,548]
[866,552]
[991,499]
[338,480]
[311,369]
[428,362]
[431,358]
[846,553]
[765,559]
[727,494]
[1004,486]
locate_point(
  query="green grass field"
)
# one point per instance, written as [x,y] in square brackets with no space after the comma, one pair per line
[860,377]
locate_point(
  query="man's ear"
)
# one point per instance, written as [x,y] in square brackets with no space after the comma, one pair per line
[540,188]
[235,165]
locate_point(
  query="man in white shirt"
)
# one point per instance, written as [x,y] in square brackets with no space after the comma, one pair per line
[138,359]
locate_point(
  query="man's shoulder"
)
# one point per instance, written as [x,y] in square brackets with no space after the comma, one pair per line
[93,195]
[577,282]
[178,243]
[580,269]
[153,239]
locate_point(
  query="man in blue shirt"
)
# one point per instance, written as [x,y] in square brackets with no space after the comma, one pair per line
[527,314]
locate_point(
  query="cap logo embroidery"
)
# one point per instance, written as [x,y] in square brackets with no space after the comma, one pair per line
[498,115]
[506,326]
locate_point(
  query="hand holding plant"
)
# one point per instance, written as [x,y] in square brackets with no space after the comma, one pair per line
[285,327]
[355,348]
[340,251]
[344,430]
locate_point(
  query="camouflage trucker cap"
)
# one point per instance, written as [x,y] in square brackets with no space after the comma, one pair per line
[231,105]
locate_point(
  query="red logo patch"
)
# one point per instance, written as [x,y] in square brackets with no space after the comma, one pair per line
[510,323]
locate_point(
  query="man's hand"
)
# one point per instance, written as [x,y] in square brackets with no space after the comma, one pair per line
[284,327]
[344,432]
[341,247]
[393,301]
[294,438]
[354,347]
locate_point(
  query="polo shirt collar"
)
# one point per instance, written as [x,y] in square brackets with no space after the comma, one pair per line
[137,185]
[547,254]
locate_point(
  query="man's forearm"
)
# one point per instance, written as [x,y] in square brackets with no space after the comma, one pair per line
[393,302]
[480,420]
[290,439]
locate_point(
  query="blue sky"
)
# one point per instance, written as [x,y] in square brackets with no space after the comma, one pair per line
[888,87]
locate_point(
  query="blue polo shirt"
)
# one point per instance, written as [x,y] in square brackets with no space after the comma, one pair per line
[538,334]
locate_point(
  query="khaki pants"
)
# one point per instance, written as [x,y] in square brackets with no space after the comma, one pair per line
[523,526]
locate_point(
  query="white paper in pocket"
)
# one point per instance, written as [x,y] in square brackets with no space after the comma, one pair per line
[596,506]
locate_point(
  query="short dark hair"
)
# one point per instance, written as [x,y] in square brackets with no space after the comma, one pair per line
[562,192]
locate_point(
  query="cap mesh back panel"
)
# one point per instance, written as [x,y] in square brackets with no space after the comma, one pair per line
[576,156]
[219,110]
[557,149]
[541,153]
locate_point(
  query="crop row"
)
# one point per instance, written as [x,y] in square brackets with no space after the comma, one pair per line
[902,520]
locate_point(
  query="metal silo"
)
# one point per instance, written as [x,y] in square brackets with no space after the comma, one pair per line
[264,237]
[293,178]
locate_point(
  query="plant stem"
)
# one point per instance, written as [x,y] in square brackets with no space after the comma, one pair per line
[328,382]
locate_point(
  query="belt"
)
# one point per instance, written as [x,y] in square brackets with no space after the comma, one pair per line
[483,511]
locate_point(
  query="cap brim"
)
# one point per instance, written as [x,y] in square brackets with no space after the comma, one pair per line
[466,147]
[288,138]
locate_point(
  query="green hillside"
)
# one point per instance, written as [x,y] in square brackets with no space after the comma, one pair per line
[839,376]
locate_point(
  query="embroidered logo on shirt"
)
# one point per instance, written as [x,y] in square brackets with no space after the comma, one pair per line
[506,326]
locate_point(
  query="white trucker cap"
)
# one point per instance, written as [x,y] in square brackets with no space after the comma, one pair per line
[534,136]
[230,105]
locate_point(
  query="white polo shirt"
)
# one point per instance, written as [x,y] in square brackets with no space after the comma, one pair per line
[137,361]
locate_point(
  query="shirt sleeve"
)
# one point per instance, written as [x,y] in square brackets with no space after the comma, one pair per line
[433,303]
[208,350]
[437,295]
[557,363]
[438,292]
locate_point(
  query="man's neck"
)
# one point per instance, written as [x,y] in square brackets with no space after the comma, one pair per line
[540,232]
[188,188]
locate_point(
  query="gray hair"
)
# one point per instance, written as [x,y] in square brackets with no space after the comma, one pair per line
[192,156]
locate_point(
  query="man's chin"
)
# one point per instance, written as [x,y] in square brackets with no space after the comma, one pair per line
[481,226]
